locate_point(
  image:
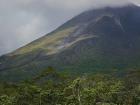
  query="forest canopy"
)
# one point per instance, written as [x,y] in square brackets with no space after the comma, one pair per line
[52,88]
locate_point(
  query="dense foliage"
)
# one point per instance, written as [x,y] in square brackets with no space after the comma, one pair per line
[52,88]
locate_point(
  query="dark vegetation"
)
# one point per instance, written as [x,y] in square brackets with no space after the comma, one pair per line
[53,88]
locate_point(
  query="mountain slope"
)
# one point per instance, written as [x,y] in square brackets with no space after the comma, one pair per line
[101,40]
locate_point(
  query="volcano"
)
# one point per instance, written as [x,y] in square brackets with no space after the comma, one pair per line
[99,40]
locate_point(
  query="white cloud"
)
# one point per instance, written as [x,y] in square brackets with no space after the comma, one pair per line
[30,29]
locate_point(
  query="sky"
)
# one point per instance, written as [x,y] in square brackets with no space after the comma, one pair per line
[22,21]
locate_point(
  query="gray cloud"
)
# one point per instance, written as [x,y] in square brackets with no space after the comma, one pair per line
[22,21]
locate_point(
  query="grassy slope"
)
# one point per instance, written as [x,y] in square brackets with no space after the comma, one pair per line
[47,43]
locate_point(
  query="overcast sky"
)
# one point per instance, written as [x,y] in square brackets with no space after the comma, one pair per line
[22,21]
